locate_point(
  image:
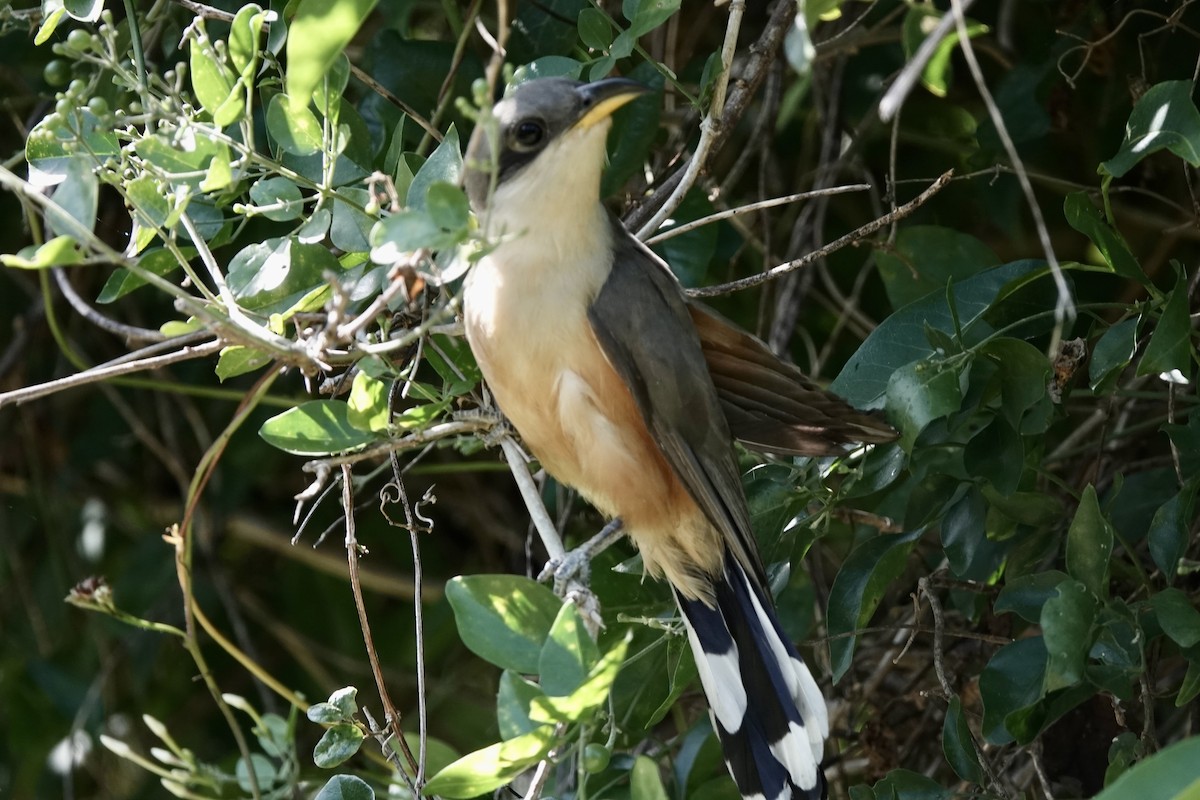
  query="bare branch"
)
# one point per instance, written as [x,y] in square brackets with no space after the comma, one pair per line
[837,244]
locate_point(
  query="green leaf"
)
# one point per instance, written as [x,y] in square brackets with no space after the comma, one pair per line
[1011,682]
[183,156]
[438,754]
[858,588]
[588,697]
[1178,616]
[293,127]
[595,30]
[1087,219]
[568,655]
[903,784]
[61,251]
[1168,534]
[1190,687]
[646,15]
[487,769]
[1163,118]
[924,258]
[84,10]
[635,126]
[272,275]
[900,339]
[504,619]
[1067,631]
[1169,774]
[512,704]
[996,454]
[1090,544]
[244,31]
[958,745]
[645,782]
[277,199]
[408,231]
[338,744]
[1022,372]
[918,24]
[54,144]
[324,713]
[212,81]
[238,360]
[315,428]
[76,198]
[346,787]
[367,405]
[971,554]
[1122,753]
[1025,595]
[444,165]
[1171,343]
[1112,354]
[317,34]
[160,261]
[447,205]
[919,393]
[689,254]
[351,228]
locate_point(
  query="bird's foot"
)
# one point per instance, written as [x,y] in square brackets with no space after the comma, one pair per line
[575,566]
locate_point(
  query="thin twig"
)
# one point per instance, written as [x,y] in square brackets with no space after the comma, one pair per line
[391,716]
[1064,306]
[837,244]
[518,464]
[749,207]
[752,73]
[710,126]
[130,332]
[106,371]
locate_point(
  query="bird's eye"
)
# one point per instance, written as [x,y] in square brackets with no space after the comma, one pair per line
[528,134]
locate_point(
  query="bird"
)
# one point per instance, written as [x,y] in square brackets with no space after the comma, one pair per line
[632,394]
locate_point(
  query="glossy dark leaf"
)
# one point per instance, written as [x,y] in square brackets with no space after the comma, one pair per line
[1011,681]
[924,258]
[1025,595]
[1090,544]
[858,588]
[900,339]
[1170,346]
[1165,117]
[958,744]
[1086,218]
[1067,631]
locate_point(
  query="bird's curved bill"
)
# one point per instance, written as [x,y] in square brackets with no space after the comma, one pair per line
[604,97]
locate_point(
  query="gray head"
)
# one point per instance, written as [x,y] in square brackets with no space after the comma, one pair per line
[531,117]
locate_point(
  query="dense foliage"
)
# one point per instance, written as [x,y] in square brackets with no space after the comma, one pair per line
[229,315]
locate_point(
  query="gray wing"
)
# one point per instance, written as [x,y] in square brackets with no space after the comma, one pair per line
[643,325]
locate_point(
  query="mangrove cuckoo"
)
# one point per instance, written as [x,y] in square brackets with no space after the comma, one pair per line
[631,394]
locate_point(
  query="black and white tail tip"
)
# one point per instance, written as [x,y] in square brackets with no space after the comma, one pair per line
[766,707]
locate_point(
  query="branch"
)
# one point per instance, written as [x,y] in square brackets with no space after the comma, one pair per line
[859,233]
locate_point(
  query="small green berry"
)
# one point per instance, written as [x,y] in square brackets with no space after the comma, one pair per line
[79,40]
[57,73]
[596,758]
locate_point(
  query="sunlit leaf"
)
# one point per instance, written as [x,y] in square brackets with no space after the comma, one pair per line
[1165,117]
[504,619]
[484,770]
[315,428]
